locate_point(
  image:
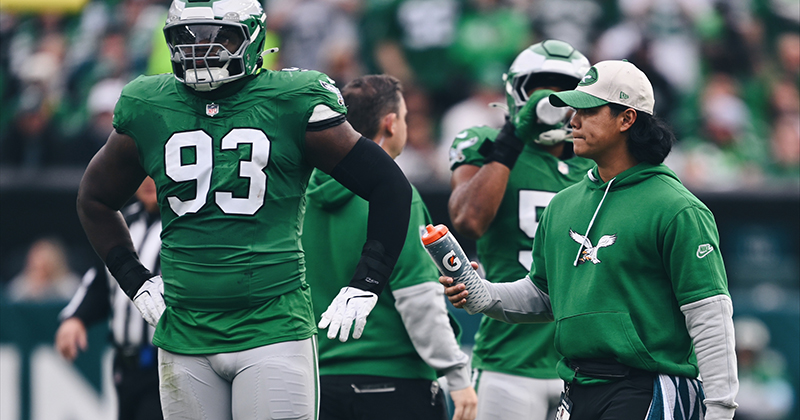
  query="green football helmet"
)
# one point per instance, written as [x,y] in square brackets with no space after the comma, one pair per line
[215,41]
[550,63]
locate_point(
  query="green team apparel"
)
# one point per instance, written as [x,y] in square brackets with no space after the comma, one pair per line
[505,251]
[337,216]
[652,248]
[231,173]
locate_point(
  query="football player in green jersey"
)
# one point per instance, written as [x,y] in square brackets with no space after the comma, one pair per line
[391,372]
[627,263]
[231,148]
[498,201]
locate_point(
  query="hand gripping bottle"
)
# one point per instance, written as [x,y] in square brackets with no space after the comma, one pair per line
[452,262]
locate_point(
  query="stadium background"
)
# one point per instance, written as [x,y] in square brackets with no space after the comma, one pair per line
[726,75]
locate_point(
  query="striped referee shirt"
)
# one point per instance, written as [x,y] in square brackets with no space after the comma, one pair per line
[99,295]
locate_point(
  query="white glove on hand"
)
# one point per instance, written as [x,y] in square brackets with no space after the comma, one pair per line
[149,300]
[350,304]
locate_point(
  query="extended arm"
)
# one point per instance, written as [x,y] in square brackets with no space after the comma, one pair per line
[364,168]
[515,303]
[710,324]
[518,302]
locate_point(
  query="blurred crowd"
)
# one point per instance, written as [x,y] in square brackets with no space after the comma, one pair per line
[726,72]
[726,75]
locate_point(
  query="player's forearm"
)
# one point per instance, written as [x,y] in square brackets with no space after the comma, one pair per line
[710,324]
[518,302]
[369,172]
[474,201]
[425,317]
[104,226]
[110,179]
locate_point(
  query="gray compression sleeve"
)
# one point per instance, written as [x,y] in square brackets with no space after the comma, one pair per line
[518,302]
[424,314]
[710,324]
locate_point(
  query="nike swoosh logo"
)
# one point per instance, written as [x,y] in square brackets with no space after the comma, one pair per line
[702,252]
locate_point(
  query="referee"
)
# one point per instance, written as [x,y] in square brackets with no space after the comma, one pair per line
[135,357]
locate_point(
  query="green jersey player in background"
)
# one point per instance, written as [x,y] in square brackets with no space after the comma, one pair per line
[231,148]
[391,372]
[498,199]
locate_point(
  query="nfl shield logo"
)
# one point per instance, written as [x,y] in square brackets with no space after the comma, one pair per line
[212,109]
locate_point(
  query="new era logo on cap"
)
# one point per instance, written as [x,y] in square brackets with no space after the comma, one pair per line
[612,81]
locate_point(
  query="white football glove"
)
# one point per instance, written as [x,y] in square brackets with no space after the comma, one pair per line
[350,304]
[149,300]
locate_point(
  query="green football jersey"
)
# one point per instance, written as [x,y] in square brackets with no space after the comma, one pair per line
[231,174]
[336,226]
[504,251]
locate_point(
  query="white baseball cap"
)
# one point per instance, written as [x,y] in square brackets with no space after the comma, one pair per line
[612,81]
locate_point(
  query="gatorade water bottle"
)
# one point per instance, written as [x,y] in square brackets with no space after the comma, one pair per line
[453,262]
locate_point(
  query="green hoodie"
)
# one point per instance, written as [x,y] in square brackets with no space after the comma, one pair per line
[335,229]
[652,247]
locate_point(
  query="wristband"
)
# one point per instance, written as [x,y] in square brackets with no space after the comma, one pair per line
[373,269]
[124,265]
[506,147]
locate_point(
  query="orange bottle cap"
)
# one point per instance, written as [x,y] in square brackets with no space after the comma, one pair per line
[433,233]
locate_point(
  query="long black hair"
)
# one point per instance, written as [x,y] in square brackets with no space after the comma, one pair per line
[650,138]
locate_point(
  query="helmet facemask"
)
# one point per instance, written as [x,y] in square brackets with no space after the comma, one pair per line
[208,51]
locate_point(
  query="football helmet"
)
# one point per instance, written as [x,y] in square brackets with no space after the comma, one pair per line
[550,63]
[215,41]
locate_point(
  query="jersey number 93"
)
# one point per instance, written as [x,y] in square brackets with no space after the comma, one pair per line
[200,170]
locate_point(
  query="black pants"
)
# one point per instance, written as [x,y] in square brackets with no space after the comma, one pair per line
[624,399]
[362,397]
[137,389]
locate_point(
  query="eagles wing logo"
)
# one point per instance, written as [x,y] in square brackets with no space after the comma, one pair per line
[457,150]
[589,252]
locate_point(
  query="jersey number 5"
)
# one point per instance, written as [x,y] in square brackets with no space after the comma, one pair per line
[529,204]
[200,170]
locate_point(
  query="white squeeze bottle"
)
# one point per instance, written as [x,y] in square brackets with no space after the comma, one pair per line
[453,262]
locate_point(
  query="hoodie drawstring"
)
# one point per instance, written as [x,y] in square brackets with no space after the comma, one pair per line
[588,229]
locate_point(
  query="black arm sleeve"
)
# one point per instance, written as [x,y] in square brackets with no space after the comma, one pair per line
[124,265]
[370,173]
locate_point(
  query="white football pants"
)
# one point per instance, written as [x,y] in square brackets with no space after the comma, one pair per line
[278,381]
